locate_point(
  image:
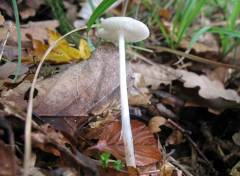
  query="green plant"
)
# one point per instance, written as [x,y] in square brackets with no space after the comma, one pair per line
[229,36]
[105,160]
[19,39]
[186,12]
[105,4]
[57,8]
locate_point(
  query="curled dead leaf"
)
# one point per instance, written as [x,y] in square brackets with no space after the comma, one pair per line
[209,89]
[155,123]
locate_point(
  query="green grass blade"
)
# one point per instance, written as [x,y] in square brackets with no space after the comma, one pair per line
[105,4]
[19,39]
[234,15]
[216,30]
[193,10]
[197,35]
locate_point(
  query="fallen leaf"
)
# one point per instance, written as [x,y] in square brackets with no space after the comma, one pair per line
[236,138]
[63,52]
[41,140]
[9,68]
[209,89]
[84,87]
[155,123]
[154,75]
[36,29]
[175,138]
[6,6]
[27,12]
[8,162]
[2,20]
[235,170]
[145,145]
[206,43]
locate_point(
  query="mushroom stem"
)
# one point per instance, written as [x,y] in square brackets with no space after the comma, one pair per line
[126,125]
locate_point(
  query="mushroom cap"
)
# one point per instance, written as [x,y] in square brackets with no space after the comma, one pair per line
[133,30]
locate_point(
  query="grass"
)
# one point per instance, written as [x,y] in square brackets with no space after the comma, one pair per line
[19,39]
[57,8]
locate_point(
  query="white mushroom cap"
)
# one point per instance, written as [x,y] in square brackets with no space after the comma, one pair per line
[133,30]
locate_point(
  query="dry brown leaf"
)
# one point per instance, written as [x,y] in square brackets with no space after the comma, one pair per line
[84,87]
[206,43]
[6,6]
[27,12]
[175,138]
[209,89]
[154,75]
[41,140]
[9,68]
[36,29]
[145,145]
[8,162]
[155,123]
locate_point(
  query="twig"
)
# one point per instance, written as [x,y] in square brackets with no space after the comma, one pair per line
[177,164]
[186,133]
[194,58]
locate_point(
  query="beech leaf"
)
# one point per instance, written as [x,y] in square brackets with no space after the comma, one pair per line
[145,145]
[88,86]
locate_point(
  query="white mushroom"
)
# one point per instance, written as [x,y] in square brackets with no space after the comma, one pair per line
[123,29]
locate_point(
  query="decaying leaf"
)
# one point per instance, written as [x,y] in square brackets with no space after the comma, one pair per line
[41,141]
[145,145]
[209,89]
[175,138]
[63,52]
[154,75]
[155,123]
[8,162]
[87,86]
[9,68]
[36,29]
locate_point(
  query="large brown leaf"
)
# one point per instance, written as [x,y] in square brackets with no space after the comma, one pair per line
[88,86]
[145,145]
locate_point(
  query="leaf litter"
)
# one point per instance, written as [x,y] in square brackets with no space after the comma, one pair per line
[191,111]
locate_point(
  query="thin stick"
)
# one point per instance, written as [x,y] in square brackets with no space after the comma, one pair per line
[194,58]
[28,124]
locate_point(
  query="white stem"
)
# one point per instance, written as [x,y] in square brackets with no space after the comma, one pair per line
[126,125]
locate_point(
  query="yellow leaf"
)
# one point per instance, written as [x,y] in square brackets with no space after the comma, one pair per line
[63,52]
[84,49]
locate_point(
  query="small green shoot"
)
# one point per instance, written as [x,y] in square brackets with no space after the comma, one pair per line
[105,4]
[118,165]
[105,160]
